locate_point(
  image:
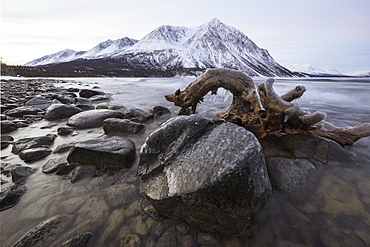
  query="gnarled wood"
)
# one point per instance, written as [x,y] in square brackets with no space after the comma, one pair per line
[261,110]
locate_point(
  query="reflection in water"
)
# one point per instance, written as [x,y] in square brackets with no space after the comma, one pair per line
[331,210]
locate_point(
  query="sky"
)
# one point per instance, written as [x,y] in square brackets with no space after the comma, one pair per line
[334,33]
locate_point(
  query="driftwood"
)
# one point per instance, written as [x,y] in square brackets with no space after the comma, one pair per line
[261,110]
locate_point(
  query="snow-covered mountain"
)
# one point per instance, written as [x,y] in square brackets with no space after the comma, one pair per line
[211,45]
[314,70]
[59,57]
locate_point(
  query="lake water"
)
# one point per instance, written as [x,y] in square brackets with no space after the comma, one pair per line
[331,210]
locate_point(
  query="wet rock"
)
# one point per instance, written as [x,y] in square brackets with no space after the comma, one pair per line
[23,110]
[208,172]
[132,240]
[92,118]
[80,240]
[6,141]
[159,111]
[64,131]
[63,148]
[39,102]
[33,142]
[65,99]
[82,172]
[60,111]
[10,196]
[34,154]
[53,165]
[82,101]
[8,126]
[289,174]
[88,93]
[21,173]
[114,151]
[65,169]
[41,234]
[99,98]
[138,115]
[116,125]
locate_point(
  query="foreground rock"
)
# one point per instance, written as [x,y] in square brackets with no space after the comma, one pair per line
[114,151]
[60,111]
[116,125]
[92,118]
[210,173]
[33,142]
[11,195]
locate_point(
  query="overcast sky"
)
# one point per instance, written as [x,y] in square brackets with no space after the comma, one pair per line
[320,32]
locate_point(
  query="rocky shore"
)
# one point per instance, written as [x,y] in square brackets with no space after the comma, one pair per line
[79,170]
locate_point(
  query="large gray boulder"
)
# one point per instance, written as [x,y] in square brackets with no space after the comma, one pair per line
[114,151]
[23,110]
[60,111]
[92,118]
[208,172]
[39,102]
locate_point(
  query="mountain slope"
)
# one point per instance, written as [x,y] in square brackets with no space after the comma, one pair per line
[182,49]
[314,70]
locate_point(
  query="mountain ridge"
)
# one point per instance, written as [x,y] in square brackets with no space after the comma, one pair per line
[174,48]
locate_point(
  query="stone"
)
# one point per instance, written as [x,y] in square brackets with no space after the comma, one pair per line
[33,142]
[39,102]
[138,115]
[63,148]
[53,165]
[159,111]
[21,173]
[82,101]
[289,174]
[131,240]
[79,240]
[60,111]
[8,126]
[10,196]
[23,110]
[206,171]
[82,172]
[6,141]
[88,93]
[116,125]
[65,169]
[92,118]
[34,154]
[99,98]
[65,130]
[114,151]
[65,99]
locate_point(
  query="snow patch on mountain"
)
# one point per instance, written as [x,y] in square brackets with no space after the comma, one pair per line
[314,70]
[59,57]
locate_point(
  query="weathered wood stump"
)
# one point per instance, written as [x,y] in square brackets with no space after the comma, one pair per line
[260,110]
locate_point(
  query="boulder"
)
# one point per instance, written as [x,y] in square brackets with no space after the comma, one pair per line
[96,98]
[159,111]
[289,174]
[92,118]
[208,172]
[65,130]
[21,173]
[114,151]
[138,115]
[33,142]
[23,110]
[116,125]
[65,99]
[10,196]
[8,126]
[63,148]
[82,101]
[53,165]
[60,111]
[88,93]
[39,102]
[6,141]
[33,154]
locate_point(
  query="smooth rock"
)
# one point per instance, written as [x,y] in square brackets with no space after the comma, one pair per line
[159,111]
[8,126]
[80,240]
[34,154]
[82,101]
[99,98]
[65,169]
[289,174]
[6,141]
[21,173]
[39,102]
[88,93]
[92,118]
[114,125]
[23,110]
[65,99]
[64,131]
[60,111]
[63,148]
[53,165]
[138,115]
[10,196]
[33,142]
[114,151]
[208,172]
